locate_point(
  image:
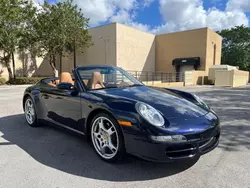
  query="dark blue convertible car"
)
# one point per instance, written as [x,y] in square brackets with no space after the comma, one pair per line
[121,115]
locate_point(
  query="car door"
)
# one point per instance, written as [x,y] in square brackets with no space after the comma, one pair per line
[64,107]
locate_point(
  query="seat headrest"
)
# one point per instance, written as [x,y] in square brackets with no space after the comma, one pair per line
[66,77]
[96,79]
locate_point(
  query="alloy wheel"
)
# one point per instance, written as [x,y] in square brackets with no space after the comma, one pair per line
[105,138]
[29,111]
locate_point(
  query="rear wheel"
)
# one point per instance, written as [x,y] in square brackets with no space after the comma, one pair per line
[30,112]
[107,138]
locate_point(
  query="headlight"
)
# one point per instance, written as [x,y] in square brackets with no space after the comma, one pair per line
[150,114]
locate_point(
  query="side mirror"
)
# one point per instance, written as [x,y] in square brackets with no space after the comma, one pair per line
[65,86]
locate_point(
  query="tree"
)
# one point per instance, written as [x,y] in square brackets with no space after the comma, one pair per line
[12,23]
[57,26]
[28,43]
[50,31]
[77,33]
[236,47]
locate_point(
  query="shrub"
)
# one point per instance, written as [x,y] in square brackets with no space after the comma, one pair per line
[2,81]
[26,80]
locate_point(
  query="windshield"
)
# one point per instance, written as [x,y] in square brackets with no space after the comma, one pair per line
[106,77]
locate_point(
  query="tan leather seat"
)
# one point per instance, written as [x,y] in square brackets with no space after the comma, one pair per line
[66,77]
[96,81]
[85,81]
[53,83]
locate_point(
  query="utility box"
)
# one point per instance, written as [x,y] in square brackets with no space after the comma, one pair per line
[211,73]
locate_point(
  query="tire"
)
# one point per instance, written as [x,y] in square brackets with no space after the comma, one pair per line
[30,112]
[107,138]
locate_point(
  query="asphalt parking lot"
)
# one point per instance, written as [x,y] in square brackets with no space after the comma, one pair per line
[49,157]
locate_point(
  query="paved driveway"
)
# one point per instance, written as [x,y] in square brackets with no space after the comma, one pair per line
[49,157]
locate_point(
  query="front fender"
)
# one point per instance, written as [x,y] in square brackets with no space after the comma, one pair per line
[191,97]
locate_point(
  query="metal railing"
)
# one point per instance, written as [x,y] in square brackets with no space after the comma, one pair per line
[143,76]
[149,76]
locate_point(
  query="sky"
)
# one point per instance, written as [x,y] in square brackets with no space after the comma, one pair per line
[164,16]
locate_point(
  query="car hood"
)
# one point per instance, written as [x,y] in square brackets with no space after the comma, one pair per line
[170,104]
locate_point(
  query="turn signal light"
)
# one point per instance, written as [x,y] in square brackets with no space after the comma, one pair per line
[125,123]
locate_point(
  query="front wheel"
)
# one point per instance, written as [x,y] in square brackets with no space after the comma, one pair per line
[30,112]
[107,138]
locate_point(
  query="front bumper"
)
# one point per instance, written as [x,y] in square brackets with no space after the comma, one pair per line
[197,145]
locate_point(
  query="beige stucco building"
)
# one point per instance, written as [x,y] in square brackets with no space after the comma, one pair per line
[120,45]
[126,47]
[203,43]
[132,49]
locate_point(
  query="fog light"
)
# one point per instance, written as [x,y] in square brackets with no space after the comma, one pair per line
[172,138]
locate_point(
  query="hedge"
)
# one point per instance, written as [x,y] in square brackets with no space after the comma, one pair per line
[26,80]
[2,81]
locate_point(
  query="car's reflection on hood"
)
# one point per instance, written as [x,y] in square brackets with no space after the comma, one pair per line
[168,103]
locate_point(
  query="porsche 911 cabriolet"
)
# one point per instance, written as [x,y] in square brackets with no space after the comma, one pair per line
[120,115]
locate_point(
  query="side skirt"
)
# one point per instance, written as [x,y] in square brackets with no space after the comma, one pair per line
[63,126]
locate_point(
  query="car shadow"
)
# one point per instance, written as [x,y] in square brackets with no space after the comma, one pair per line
[72,154]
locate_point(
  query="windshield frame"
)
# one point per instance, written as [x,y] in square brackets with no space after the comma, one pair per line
[85,68]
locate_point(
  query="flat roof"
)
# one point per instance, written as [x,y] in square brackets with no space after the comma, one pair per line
[103,25]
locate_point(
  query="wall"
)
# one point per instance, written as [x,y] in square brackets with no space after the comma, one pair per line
[126,47]
[211,72]
[199,77]
[223,78]
[44,68]
[135,49]
[240,78]
[25,66]
[95,55]
[213,57]
[68,62]
[231,78]
[180,45]
[132,49]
